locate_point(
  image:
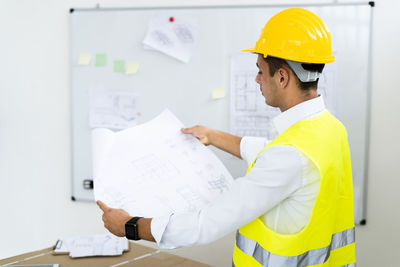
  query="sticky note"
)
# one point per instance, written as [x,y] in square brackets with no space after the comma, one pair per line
[119,66]
[84,59]
[101,60]
[218,93]
[132,68]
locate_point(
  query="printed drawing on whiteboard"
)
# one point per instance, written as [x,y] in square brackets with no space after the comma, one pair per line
[250,115]
[173,36]
[148,174]
[114,110]
[327,86]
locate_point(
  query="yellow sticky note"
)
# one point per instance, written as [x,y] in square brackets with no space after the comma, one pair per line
[218,93]
[84,59]
[132,68]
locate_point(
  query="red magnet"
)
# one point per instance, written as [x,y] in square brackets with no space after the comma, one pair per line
[171,19]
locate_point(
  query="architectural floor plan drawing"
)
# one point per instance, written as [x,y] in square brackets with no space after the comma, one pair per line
[148,174]
[250,115]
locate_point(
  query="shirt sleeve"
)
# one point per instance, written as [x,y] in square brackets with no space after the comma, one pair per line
[277,173]
[250,146]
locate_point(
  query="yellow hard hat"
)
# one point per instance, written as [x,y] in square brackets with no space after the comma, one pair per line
[295,34]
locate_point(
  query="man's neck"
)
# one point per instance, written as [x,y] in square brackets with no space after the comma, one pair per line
[297,99]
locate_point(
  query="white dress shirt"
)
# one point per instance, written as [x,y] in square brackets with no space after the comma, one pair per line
[280,189]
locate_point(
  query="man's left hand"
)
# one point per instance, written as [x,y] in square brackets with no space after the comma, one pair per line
[114,219]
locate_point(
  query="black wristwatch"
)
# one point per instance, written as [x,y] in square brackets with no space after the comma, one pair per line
[131,229]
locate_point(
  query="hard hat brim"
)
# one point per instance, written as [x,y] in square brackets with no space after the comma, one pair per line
[251,50]
[254,50]
[325,60]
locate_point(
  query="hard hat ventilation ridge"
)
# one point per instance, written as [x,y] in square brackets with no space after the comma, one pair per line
[303,74]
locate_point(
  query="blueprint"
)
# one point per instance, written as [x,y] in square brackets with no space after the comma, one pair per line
[250,115]
[154,169]
[114,110]
[327,86]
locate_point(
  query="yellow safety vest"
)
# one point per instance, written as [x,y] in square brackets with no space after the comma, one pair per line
[329,237]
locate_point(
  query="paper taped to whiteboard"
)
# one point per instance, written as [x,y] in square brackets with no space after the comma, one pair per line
[176,38]
[114,110]
[250,115]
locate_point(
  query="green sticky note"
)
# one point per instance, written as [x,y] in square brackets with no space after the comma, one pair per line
[101,60]
[119,66]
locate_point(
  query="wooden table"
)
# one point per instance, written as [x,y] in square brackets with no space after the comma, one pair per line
[136,256]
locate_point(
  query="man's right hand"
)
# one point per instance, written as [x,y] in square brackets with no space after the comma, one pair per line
[200,132]
[227,142]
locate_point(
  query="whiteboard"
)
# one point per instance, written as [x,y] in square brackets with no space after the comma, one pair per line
[164,82]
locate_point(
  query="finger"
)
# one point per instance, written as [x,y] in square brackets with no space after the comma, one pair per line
[102,206]
[186,130]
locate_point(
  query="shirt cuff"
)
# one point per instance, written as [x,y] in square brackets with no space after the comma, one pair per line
[158,225]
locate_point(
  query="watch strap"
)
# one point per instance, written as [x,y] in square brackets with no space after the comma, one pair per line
[131,229]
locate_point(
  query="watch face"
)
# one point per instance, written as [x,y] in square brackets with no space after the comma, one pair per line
[131,229]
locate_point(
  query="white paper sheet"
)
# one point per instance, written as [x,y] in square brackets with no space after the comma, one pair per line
[250,115]
[175,38]
[114,110]
[154,169]
[92,245]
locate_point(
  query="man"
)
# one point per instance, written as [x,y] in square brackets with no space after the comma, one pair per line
[294,207]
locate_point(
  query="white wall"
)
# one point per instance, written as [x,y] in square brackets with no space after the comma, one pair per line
[378,240]
[35,189]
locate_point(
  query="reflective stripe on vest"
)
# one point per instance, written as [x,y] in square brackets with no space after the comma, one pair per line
[348,265]
[311,257]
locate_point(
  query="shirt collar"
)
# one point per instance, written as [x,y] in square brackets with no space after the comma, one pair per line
[304,110]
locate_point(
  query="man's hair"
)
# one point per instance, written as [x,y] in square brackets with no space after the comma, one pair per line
[275,64]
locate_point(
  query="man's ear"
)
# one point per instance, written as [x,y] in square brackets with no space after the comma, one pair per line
[283,76]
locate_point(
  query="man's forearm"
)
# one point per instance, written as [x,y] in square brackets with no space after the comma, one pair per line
[226,142]
[144,229]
